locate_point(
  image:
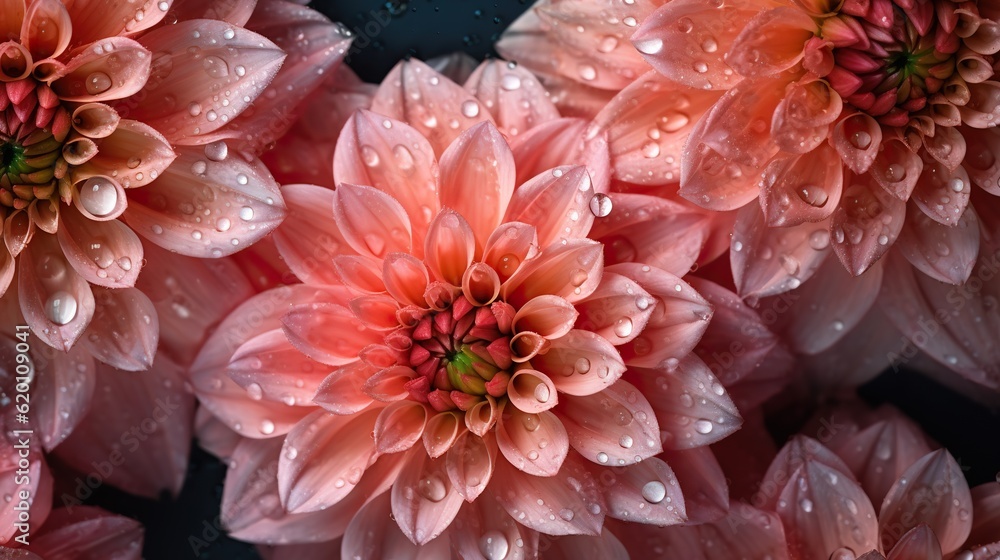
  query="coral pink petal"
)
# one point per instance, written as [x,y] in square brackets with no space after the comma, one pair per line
[865,224]
[648,124]
[7,263]
[84,531]
[857,140]
[980,111]
[606,545]
[214,436]
[981,162]
[342,392]
[639,493]
[651,230]
[130,315]
[318,474]
[693,407]
[789,459]
[703,483]
[399,426]
[618,310]
[105,253]
[568,503]
[712,181]
[918,543]
[309,238]
[801,122]
[934,492]
[489,531]
[571,358]
[823,510]
[242,202]
[370,536]
[57,412]
[679,318]
[450,247]
[93,21]
[562,142]
[376,311]
[942,194]
[803,188]
[405,278]
[556,203]
[687,41]
[13,17]
[897,168]
[394,158]
[91,76]
[56,301]
[571,271]
[364,274]
[738,128]
[772,42]
[520,436]
[441,433]
[513,96]
[46,29]
[414,93]
[309,328]
[32,476]
[150,453]
[550,316]
[947,146]
[509,247]
[133,146]
[236,13]
[388,384]
[269,367]
[371,221]
[614,427]
[945,253]
[477,178]
[470,464]
[424,502]
[182,98]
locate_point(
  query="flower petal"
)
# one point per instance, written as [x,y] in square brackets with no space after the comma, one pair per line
[441,433]
[368,536]
[46,28]
[470,464]
[520,436]
[309,239]
[556,203]
[399,426]
[581,363]
[133,146]
[703,483]
[513,96]
[372,222]
[309,327]
[981,162]
[550,316]
[918,542]
[615,427]
[896,168]
[268,367]
[531,391]
[83,531]
[489,531]
[804,188]
[562,142]
[865,224]
[449,247]
[56,301]
[945,253]
[571,271]
[91,76]
[771,42]
[342,392]
[130,318]
[645,492]
[58,412]
[942,194]
[93,20]
[424,502]
[104,253]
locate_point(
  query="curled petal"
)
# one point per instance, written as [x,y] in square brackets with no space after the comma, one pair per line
[399,426]
[857,139]
[618,310]
[865,224]
[129,314]
[556,203]
[405,278]
[520,436]
[424,501]
[268,367]
[981,162]
[510,246]
[481,418]
[550,316]
[581,363]
[91,76]
[470,464]
[368,536]
[93,20]
[772,42]
[372,222]
[614,427]
[799,189]
[389,384]
[947,146]
[897,168]
[56,301]
[919,542]
[134,146]
[984,102]
[95,120]
[342,392]
[46,29]
[531,391]
[361,273]
[309,327]
[441,432]
[481,284]
[449,247]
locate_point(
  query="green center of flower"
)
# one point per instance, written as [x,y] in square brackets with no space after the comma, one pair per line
[468,372]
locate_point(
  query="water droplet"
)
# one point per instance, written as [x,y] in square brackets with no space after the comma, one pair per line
[217,151]
[650,150]
[602,457]
[199,167]
[470,109]
[194,109]
[99,196]
[956,184]
[700,67]
[709,45]
[588,72]
[223,224]
[531,422]
[432,488]
[806,505]
[246,213]
[98,82]
[623,327]
[510,82]
[242,179]
[625,441]
[228,34]
[895,173]
[266,427]
[819,239]
[703,426]
[215,67]
[369,156]
[567,514]
[125,264]
[61,307]
[649,46]
[813,195]
[654,492]
[600,205]
[494,546]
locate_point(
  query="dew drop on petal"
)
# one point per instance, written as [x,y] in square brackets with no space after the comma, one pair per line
[217,151]
[470,109]
[542,393]
[493,545]
[61,307]
[98,82]
[432,488]
[600,205]
[649,46]
[99,196]
[654,492]
[266,427]
[623,327]
[703,426]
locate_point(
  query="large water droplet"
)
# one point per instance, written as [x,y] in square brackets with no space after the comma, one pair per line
[703,427]
[542,393]
[494,546]
[623,327]
[61,307]
[99,196]
[255,391]
[432,488]
[98,82]
[470,109]
[649,46]
[813,195]
[217,151]
[510,82]
[654,492]
[600,205]
[215,67]
[369,156]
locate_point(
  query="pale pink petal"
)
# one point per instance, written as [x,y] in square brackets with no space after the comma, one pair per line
[318,473]
[581,363]
[802,120]
[362,273]
[823,510]
[615,427]
[90,76]
[488,531]
[441,432]
[945,253]
[981,162]
[680,316]
[985,514]
[32,477]
[571,271]
[434,105]
[449,247]
[94,20]
[399,426]
[865,224]
[392,157]
[147,452]
[567,503]
[481,418]
[947,146]
[309,328]
[799,189]
[649,229]
[477,178]
[372,222]
[214,436]
[182,98]
[88,532]
[389,384]
[470,464]
[46,29]
[550,316]
[309,239]
[563,142]
[648,124]
[712,181]
[236,13]
[370,536]
[269,367]
[105,253]
[897,168]
[918,542]
[342,392]
[133,146]
[703,483]
[509,247]
[933,490]
[531,391]
[376,311]
[790,458]
[57,412]
[131,320]
[857,139]
[13,16]
[645,492]
[520,436]
[943,194]
[405,278]
[687,41]
[512,95]
[556,203]
[242,202]
[56,301]
[424,502]
[606,546]
[772,42]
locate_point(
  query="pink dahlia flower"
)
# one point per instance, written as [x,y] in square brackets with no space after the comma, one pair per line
[79,532]
[125,121]
[462,355]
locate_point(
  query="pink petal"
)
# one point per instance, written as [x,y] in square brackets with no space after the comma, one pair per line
[571,358]
[93,21]
[571,271]
[567,503]
[823,510]
[801,122]
[980,111]
[269,367]
[392,157]
[513,96]
[858,356]
[481,284]
[91,76]
[489,531]
[399,426]
[33,478]
[84,531]
[477,178]
[606,545]
[362,273]
[309,238]
[712,181]
[556,203]
[614,427]
[147,450]
[405,278]
[790,459]
[918,542]
[985,514]
[370,536]
[319,474]
[414,93]
[470,464]
[449,247]
[104,253]
[309,326]
[686,41]
[342,392]
[772,42]
[441,432]
[562,142]
[531,391]
[389,384]
[680,316]
[509,247]
[550,316]
[857,139]
[13,11]
[690,403]
[376,311]
[703,483]
[131,320]
[134,146]
[46,28]
[424,502]
[372,222]
[57,303]
[457,66]
[799,189]
[644,154]
[640,492]
[947,146]
[242,200]
[981,162]
[181,94]
[942,194]
[236,13]
[7,264]
[214,436]
[945,253]
[58,412]
[935,493]
[520,436]
[897,168]
[651,230]
[865,224]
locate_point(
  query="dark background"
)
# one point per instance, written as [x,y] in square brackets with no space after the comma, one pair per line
[429,28]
